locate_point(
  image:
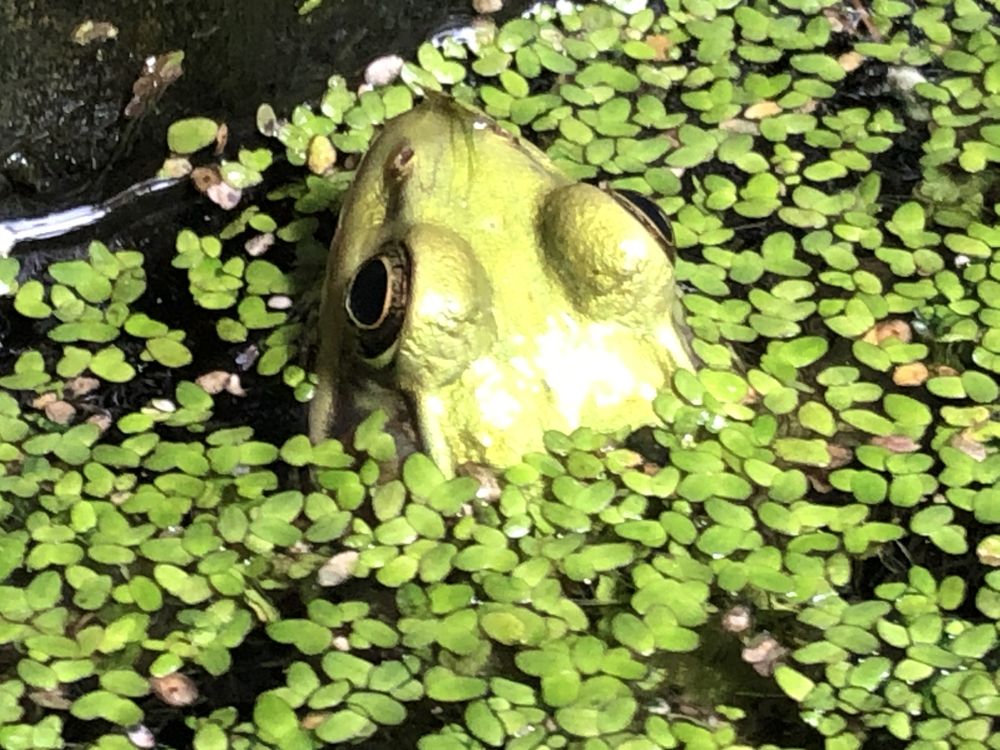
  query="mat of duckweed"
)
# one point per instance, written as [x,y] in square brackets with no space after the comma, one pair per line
[807,557]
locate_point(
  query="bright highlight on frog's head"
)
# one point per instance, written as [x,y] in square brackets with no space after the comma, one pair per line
[498,297]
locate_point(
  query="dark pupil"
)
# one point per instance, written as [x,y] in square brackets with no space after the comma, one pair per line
[368,292]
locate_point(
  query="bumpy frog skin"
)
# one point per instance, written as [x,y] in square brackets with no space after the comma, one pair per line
[501,298]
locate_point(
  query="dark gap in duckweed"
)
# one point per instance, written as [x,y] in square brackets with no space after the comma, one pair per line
[898,165]
[281,415]
[259,664]
[770,68]
[643,441]
[892,561]
[882,739]
[868,85]
[83,732]
[276,414]
[769,709]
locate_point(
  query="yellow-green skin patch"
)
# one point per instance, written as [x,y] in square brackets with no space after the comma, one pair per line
[534,302]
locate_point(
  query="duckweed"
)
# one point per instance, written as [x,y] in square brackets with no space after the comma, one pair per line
[830,472]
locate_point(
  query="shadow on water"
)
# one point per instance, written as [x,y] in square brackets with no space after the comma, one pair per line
[63,136]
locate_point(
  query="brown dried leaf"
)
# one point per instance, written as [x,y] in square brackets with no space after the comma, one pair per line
[485,7]
[819,483]
[221,139]
[661,45]
[157,74]
[835,18]
[234,387]
[764,653]
[840,455]
[102,420]
[174,689]
[810,106]
[893,328]
[970,447]
[313,719]
[912,374]
[213,382]
[851,61]
[81,386]
[737,619]
[43,400]
[204,177]
[60,412]
[896,443]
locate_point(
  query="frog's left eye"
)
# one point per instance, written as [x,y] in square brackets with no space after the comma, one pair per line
[376,299]
[650,214]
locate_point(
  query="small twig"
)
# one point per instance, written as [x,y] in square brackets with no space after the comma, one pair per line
[866,19]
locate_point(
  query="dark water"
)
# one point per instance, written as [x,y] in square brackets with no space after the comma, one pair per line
[63,136]
[64,141]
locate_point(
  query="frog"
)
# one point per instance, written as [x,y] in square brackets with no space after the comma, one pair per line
[477,289]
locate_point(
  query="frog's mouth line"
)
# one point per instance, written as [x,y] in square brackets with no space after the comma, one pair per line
[377,298]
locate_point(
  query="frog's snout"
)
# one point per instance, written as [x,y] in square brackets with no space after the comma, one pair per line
[377,297]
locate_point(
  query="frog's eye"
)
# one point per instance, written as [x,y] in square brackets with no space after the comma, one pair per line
[376,299]
[650,214]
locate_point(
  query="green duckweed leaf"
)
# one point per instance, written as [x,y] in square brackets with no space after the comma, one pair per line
[793,683]
[101,704]
[484,724]
[109,364]
[346,724]
[308,637]
[442,684]
[169,352]
[191,134]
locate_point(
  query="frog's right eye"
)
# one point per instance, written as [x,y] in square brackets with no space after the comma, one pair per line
[377,297]
[650,214]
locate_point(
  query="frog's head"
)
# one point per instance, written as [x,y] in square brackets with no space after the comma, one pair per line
[497,296]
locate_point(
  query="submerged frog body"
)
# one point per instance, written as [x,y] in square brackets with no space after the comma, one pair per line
[498,296]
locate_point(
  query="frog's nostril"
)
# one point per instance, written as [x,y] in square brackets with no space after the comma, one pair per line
[403,158]
[398,165]
[376,299]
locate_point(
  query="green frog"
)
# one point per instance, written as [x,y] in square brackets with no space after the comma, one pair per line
[474,284]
